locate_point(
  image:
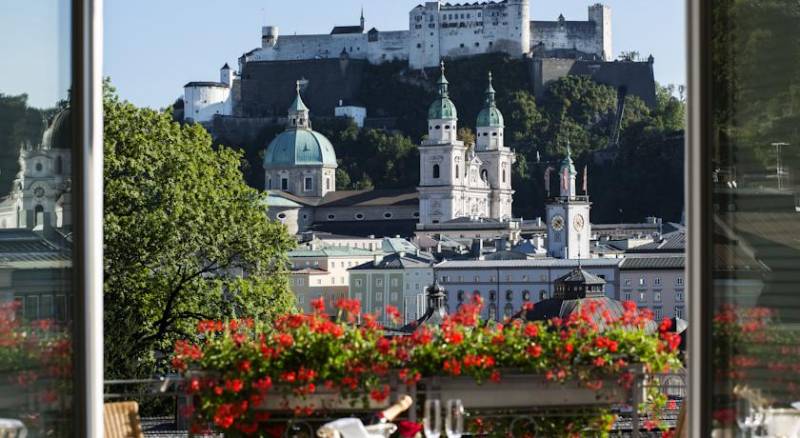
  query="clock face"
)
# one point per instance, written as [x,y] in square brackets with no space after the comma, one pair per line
[38,192]
[558,222]
[579,222]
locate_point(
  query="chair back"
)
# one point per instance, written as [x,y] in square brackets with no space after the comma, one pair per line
[121,420]
[12,429]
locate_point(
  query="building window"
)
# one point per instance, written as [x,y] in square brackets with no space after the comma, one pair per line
[504,175]
[542,295]
[642,297]
[657,297]
[628,282]
[436,171]
[308,184]
[509,295]
[331,217]
[492,295]
[526,295]
[679,296]
[445,278]
[387,215]
[457,171]
[679,311]
[284,184]
[395,282]
[359,216]
[460,295]
[358,282]
[627,296]
[379,282]
[508,310]
[327,183]
[642,281]
[679,281]
[658,313]
[657,281]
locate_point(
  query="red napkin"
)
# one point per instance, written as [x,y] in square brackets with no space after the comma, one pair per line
[408,429]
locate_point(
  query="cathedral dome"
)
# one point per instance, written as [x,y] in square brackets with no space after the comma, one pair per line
[300,147]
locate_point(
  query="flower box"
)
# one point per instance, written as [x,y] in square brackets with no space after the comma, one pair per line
[518,390]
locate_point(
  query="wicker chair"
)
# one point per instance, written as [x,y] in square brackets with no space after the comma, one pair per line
[121,420]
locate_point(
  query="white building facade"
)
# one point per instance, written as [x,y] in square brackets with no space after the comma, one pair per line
[202,101]
[506,285]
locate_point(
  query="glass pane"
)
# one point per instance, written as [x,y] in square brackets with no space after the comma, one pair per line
[755,136]
[35,219]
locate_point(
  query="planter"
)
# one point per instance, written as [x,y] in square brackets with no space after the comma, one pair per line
[515,391]
[322,400]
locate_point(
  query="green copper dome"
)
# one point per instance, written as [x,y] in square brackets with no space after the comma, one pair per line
[490,116]
[300,147]
[442,107]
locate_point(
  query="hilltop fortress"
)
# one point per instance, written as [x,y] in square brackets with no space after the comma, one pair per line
[332,66]
[437,31]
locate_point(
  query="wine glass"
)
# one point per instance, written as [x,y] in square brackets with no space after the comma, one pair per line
[432,421]
[746,415]
[454,419]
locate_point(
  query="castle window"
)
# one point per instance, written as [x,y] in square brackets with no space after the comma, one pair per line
[282,216]
[308,185]
[477,44]
[359,216]
[331,217]
[438,127]
[446,126]
[436,171]
[387,215]
[494,134]
[284,184]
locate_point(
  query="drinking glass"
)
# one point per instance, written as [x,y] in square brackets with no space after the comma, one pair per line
[746,415]
[432,421]
[454,419]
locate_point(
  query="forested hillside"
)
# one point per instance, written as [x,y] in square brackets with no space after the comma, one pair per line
[645,179]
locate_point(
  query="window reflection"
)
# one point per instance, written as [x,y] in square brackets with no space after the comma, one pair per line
[755,78]
[36,226]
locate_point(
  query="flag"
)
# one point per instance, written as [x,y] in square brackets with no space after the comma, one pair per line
[547,180]
[586,179]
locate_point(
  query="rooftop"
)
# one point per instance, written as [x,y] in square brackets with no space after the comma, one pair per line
[531,263]
[397,261]
[651,263]
[332,251]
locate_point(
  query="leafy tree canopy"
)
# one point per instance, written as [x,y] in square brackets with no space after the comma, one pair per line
[185,238]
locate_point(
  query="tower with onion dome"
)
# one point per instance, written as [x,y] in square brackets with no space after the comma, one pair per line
[496,158]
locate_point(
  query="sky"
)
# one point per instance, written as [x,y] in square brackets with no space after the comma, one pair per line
[154,47]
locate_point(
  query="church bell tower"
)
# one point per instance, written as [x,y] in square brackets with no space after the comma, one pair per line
[568,228]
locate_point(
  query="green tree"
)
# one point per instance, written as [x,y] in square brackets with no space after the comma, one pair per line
[185,239]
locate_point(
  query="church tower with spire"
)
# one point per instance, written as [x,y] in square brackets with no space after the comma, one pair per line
[568,228]
[451,181]
[496,158]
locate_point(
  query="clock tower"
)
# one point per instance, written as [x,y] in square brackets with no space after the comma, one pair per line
[568,228]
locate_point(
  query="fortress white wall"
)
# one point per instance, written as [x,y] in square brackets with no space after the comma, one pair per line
[203,102]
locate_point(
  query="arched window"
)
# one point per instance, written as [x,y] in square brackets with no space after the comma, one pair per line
[492,295]
[509,295]
[542,295]
[327,183]
[526,295]
[493,311]
[457,172]
[504,175]
[485,175]
[508,310]
[38,216]
[436,171]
